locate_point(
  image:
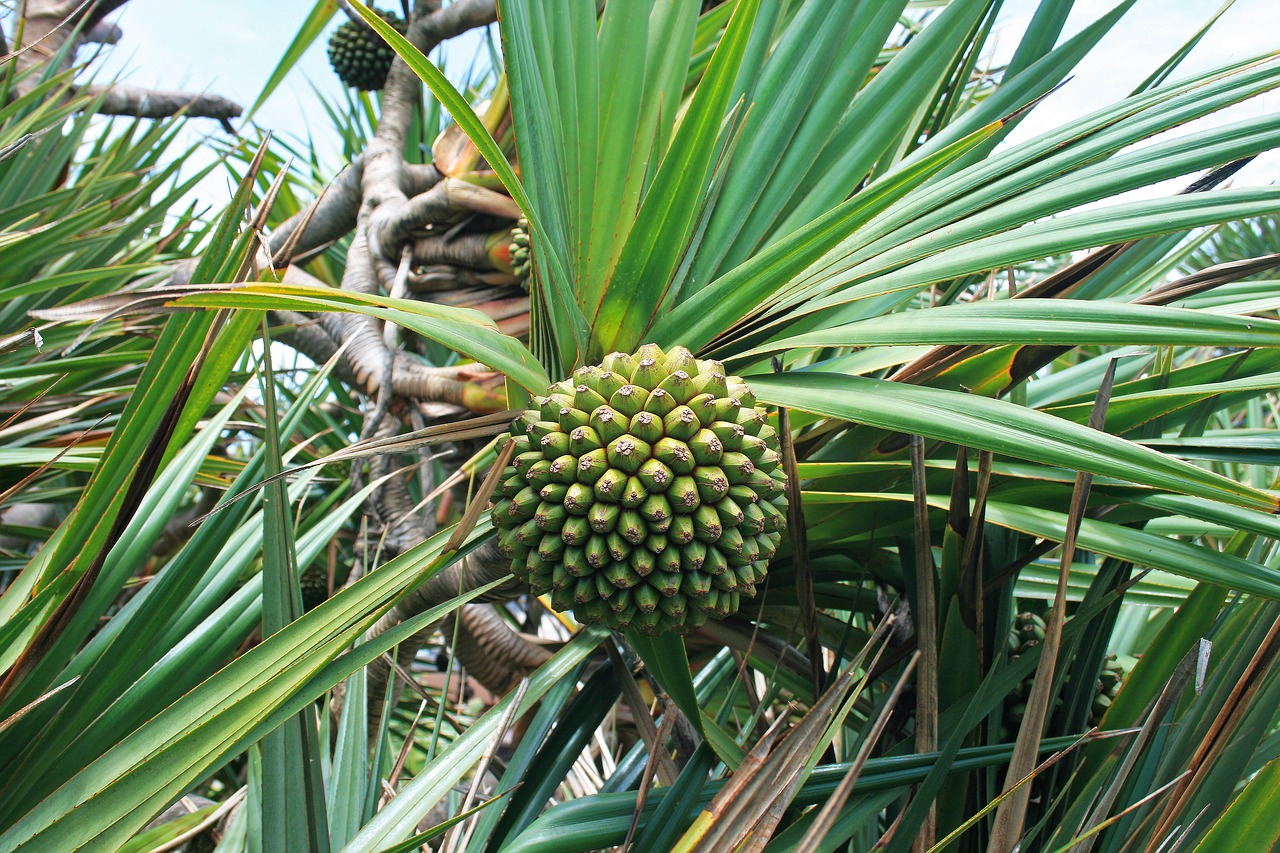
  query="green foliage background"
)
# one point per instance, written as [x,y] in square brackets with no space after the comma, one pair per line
[983,355]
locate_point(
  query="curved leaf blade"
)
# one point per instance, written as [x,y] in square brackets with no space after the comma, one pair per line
[121,790]
[1000,427]
[468,332]
[1059,322]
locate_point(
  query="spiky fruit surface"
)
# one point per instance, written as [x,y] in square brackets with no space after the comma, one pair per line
[314,584]
[359,57]
[645,493]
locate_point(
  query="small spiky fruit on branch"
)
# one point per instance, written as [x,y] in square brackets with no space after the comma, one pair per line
[645,493]
[359,57]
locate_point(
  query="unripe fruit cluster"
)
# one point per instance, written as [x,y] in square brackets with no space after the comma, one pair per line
[521,260]
[645,493]
[1028,632]
[360,57]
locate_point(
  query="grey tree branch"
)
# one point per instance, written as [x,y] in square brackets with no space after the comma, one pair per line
[335,212]
[492,652]
[54,30]
[384,164]
[103,33]
[318,337]
[387,220]
[155,103]
[392,505]
[46,28]
[449,200]
[367,350]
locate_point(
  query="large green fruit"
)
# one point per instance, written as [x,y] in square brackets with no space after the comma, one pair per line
[645,493]
[359,56]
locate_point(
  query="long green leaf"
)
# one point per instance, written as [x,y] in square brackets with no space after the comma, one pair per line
[462,329]
[821,61]
[1000,427]
[400,817]
[1111,540]
[120,791]
[858,292]
[666,218]
[293,802]
[622,143]
[601,820]
[312,26]
[1074,323]
[710,311]
[559,326]
[666,658]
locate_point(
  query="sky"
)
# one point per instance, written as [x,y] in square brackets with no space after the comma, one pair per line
[232,46]
[1139,43]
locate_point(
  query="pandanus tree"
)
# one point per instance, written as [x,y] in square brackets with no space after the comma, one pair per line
[851,476]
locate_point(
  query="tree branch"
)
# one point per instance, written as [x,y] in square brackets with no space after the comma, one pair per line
[47,27]
[385,160]
[335,212]
[366,351]
[154,103]
[103,33]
